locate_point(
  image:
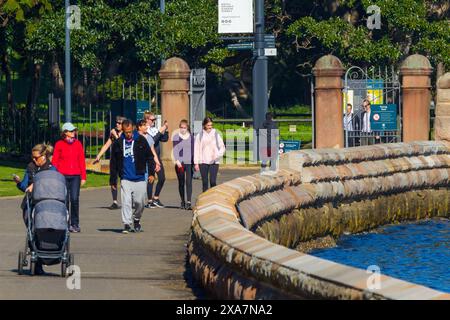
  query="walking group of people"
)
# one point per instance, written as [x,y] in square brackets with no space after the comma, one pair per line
[136,160]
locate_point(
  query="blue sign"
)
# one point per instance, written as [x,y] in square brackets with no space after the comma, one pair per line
[289,145]
[383,117]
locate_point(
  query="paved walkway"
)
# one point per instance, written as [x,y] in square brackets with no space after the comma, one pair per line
[148,265]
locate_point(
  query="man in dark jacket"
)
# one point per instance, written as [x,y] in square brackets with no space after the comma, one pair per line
[131,158]
[268,143]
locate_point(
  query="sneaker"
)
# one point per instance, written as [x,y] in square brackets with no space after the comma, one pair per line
[72,229]
[183,205]
[114,206]
[158,203]
[137,226]
[38,269]
[126,229]
[188,206]
[150,205]
[76,229]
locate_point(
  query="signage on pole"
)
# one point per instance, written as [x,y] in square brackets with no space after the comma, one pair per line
[269,41]
[289,145]
[383,117]
[241,46]
[270,52]
[235,16]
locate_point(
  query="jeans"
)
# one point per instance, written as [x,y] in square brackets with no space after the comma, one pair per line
[73,184]
[185,178]
[161,179]
[210,170]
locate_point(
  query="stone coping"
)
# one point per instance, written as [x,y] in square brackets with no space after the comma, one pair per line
[274,271]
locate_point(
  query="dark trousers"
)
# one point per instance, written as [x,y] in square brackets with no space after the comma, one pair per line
[210,170]
[185,179]
[73,184]
[161,179]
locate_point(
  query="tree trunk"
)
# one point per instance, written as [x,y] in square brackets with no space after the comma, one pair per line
[440,70]
[58,81]
[9,85]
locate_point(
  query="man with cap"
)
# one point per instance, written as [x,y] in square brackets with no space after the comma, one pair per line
[68,159]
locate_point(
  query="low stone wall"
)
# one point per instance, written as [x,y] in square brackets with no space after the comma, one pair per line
[231,261]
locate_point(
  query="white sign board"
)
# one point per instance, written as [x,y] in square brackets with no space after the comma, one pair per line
[235,16]
[270,52]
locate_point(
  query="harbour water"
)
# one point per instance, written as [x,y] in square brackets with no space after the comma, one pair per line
[417,252]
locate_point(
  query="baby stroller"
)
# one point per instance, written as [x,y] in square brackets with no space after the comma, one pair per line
[48,237]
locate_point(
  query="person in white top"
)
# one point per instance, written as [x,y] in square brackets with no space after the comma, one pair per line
[366,131]
[208,149]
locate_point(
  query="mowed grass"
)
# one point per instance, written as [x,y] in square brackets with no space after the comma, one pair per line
[8,187]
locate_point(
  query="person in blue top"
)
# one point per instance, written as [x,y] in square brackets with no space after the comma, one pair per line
[131,158]
[40,155]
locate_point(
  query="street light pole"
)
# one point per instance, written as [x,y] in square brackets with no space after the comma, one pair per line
[68,107]
[260,74]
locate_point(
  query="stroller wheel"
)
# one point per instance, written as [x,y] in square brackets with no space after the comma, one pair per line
[33,268]
[20,263]
[64,266]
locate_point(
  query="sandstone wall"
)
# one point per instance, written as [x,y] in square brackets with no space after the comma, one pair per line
[230,261]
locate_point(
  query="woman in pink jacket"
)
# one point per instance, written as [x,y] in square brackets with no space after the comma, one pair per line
[208,150]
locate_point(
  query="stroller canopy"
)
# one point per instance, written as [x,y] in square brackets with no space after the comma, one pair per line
[49,184]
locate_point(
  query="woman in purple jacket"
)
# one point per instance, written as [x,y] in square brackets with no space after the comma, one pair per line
[183,153]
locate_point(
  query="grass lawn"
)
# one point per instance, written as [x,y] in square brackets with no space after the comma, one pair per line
[8,187]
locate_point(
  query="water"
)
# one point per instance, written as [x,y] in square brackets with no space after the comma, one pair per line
[416,252]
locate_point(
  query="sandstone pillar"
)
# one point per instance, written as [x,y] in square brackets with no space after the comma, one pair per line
[328,99]
[442,121]
[416,97]
[174,77]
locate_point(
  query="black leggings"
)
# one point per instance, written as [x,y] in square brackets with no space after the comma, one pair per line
[185,178]
[161,179]
[114,193]
[211,170]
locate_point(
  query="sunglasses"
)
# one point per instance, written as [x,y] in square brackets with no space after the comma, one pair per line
[36,158]
[118,122]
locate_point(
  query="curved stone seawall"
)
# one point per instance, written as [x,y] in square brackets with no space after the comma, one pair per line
[301,202]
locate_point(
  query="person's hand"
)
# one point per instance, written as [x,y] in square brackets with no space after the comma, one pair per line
[178,163]
[97,160]
[16,179]
[83,182]
[114,187]
[29,189]
[151,179]
[197,167]
[157,167]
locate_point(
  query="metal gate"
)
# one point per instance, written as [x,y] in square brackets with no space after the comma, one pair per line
[382,121]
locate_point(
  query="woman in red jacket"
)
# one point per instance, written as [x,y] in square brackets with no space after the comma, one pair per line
[68,159]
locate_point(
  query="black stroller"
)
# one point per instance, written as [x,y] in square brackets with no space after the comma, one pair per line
[48,237]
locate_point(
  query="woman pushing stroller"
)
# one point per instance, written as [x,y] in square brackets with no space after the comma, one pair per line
[40,156]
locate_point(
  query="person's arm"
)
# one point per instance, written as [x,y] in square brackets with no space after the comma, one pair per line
[23,185]
[82,162]
[197,152]
[176,148]
[221,145]
[149,160]
[103,150]
[113,165]
[56,155]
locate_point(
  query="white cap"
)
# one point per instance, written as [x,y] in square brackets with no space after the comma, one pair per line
[68,127]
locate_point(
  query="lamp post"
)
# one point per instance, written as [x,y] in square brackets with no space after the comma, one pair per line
[68,107]
[260,74]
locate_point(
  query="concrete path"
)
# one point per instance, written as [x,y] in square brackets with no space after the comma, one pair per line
[147,265]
